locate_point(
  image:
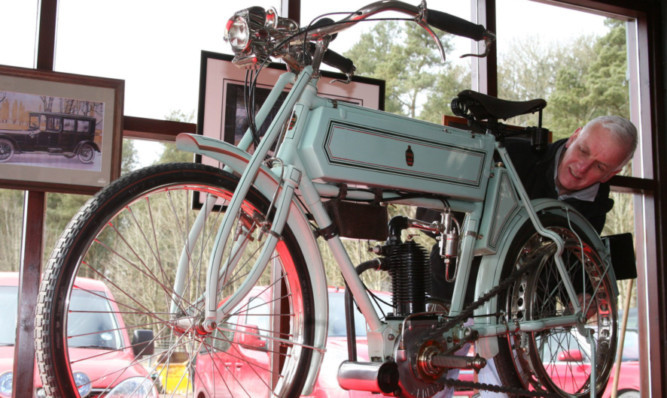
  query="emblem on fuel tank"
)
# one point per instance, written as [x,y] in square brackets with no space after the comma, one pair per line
[409,156]
[292,121]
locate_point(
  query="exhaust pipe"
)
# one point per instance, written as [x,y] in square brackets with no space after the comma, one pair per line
[377,377]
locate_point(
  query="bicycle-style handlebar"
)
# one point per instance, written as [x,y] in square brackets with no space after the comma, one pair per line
[256,34]
[456,26]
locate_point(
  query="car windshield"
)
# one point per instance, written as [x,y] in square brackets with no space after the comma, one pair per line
[631,346]
[91,323]
[337,315]
[572,340]
[8,312]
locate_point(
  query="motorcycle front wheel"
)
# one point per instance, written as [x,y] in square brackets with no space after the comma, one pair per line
[121,305]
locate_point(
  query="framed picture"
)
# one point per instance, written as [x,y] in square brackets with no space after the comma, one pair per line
[59,132]
[222,112]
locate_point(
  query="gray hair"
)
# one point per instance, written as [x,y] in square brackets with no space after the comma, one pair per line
[621,128]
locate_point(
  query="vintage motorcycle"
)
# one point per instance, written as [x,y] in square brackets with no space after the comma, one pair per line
[222,264]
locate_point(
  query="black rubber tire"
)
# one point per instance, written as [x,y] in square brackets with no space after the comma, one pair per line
[86,153]
[93,246]
[629,394]
[525,359]
[6,150]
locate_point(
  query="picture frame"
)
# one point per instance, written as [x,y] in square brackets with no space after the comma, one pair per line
[59,132]
[221,94]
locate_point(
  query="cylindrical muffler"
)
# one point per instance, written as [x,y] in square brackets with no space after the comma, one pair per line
[378,377]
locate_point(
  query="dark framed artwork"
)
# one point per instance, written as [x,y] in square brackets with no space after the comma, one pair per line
[222,111]
[59,132]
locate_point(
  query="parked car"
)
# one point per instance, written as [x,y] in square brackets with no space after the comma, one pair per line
[54,133]
[218,372]
[565,353]
[99,344]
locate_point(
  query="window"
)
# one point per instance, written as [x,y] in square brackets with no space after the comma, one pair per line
[69,125]
[8,313]
[19,30]
[588,69]
[154,46]
[157,82]
[91,323]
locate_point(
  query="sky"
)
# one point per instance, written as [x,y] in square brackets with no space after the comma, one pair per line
[156,46]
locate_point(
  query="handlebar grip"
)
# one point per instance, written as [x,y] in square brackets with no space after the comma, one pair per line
[455,25]
[336,60]
[339,62]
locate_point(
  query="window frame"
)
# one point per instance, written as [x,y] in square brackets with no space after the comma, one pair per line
[649,113]
[644,59]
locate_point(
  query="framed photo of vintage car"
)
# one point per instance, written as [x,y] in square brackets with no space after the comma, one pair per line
[59,132]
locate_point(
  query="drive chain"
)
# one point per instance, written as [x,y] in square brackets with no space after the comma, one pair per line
[468,312]
[511,391]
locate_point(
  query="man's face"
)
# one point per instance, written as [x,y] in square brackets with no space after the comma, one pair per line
[592,156]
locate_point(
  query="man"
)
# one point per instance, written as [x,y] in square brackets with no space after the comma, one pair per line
[576,170]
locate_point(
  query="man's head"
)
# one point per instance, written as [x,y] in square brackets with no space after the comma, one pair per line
[596,152]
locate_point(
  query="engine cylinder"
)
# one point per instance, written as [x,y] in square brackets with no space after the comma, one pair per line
[408,266]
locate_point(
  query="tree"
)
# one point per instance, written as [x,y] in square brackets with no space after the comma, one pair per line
[11,216]
[178,115]
[446,87]
[532,69]
[170,153]
[608,85]
[60,207]
[129,160]
[587,87]
[406,58]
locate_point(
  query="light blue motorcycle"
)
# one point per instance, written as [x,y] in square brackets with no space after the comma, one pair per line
[221,267]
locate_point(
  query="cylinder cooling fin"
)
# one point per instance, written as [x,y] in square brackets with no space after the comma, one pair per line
[408,267]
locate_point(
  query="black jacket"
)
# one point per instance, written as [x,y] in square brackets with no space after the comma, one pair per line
[536,170]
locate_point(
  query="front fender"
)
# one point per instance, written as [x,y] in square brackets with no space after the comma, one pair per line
[91,143]
[267,183]
[491,266]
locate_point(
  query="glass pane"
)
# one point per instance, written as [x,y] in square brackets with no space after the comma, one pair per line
[155,46]
[60,208]
[580,69]
[8,313]
[11,224]
[92,323]
[18,30]
[621,219]
[418,83]
[139,153]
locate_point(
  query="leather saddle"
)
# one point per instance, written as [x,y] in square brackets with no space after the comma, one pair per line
[480,106]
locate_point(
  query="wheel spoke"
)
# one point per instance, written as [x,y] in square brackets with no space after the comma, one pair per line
[558,359]
[124,252]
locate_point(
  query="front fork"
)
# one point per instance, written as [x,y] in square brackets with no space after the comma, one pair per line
[272,229]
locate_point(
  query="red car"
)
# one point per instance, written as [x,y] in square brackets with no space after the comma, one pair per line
[568,377]
[98,338]
[219,373]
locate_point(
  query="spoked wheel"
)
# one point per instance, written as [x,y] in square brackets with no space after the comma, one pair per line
[6,150]
[86,153]
[558,359]
[121,306]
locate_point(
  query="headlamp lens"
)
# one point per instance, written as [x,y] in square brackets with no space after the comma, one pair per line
[238,33]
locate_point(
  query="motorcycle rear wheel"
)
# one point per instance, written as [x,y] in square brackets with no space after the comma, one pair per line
[557,359]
